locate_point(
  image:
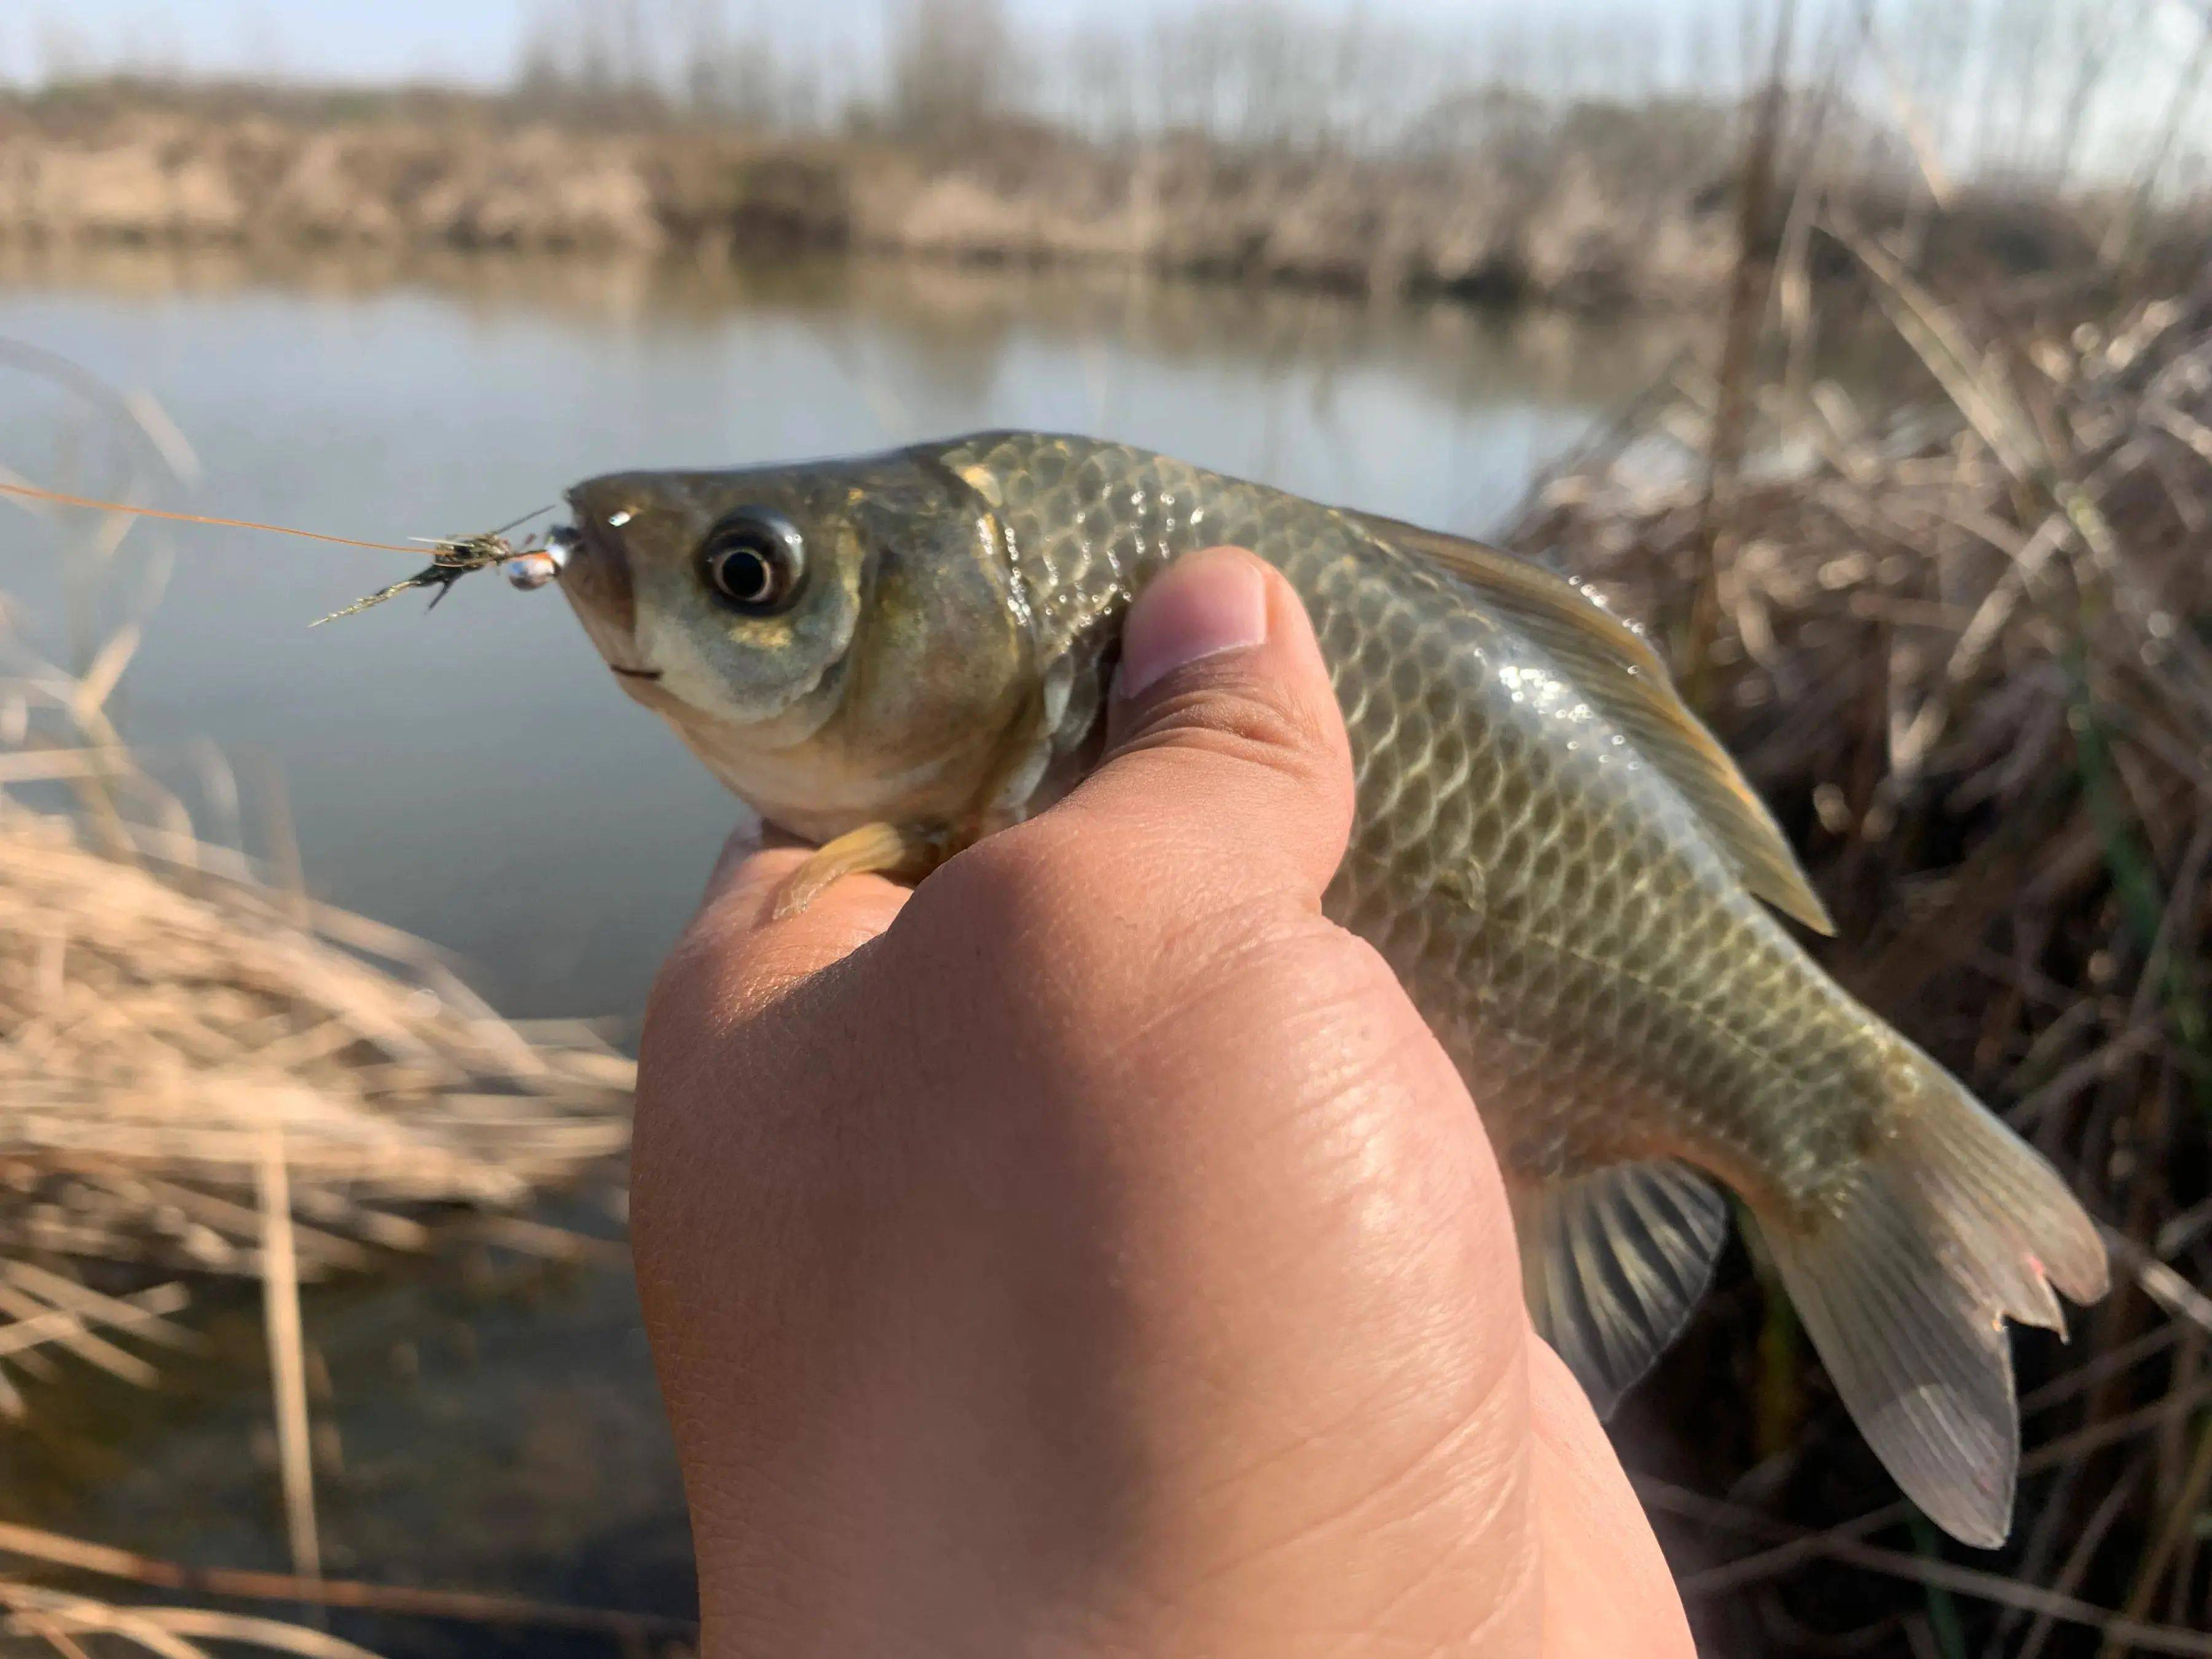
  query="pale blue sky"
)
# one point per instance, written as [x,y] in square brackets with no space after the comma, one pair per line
[1590,46]
[476,39]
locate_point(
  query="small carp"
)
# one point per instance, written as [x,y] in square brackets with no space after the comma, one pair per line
[891,656]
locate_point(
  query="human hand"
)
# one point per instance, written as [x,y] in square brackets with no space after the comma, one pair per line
[1092,1253]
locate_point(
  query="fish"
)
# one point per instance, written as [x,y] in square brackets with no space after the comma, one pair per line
[893,655]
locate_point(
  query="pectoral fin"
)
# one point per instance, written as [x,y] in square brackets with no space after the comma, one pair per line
[884,849]
[1615,667]
[1614,1262]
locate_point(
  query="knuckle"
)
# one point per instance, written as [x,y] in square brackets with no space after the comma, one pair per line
[1067,918]
[1240,723]
[704,983]
[1032,881]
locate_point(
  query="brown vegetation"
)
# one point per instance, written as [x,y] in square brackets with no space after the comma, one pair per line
[203,1071]
[1251,140]
[165,1021]
[1961,642]
[174,1020]
[1654,220]
[170,176]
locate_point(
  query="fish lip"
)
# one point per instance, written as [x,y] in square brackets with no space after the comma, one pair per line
[596,576]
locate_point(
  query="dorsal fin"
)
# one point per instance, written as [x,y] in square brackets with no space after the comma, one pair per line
[1615,667]
[1614,1262]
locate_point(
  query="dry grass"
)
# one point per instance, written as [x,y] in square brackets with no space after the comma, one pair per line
[635,1631]
[1963,645]
[165,1017]
[155,1030]
[202,1070]
[1590,207]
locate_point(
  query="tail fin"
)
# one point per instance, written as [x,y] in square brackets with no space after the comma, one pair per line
[1952,1225]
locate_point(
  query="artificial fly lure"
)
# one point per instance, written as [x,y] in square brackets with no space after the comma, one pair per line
[531,564]
[452,558]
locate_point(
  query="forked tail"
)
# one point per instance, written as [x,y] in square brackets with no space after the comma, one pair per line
[1951,1226]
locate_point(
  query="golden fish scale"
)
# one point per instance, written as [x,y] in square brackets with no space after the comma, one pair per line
[1588,956]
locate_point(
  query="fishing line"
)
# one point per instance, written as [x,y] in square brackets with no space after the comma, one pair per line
[452,557]
[36,494]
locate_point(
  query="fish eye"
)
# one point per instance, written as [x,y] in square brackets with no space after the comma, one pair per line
[753,560]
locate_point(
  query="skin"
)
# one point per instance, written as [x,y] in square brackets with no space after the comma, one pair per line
[1092,1252]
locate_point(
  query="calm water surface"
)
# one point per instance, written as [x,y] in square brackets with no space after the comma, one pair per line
[475,777]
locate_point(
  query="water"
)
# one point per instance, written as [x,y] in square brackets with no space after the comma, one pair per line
[473,776]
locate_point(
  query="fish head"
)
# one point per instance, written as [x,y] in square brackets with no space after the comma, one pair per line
[839,641]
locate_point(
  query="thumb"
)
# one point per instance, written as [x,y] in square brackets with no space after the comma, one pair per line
[1224,738]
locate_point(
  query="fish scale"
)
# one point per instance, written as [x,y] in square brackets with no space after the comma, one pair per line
[1568,875]
[1429,686]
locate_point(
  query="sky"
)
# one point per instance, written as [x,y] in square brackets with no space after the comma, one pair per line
[335,39]
[1600,47]
[478,40]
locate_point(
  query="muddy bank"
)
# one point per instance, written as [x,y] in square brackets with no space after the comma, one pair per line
[1645,224]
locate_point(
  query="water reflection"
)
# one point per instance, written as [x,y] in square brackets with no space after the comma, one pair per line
[486,1425]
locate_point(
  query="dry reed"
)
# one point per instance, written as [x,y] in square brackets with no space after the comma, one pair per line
[155,1029]
[1257,139]
[1963,646]
[203,1071]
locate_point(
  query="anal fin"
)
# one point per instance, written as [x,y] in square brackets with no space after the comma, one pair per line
[872,849]
[1614,1262]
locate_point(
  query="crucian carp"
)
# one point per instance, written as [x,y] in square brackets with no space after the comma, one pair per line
[893,655]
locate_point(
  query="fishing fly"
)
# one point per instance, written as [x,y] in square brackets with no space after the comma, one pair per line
[454,557]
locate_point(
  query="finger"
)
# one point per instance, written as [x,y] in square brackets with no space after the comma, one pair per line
[1606,1587]
[747,954]
[1226,751]
[743,842]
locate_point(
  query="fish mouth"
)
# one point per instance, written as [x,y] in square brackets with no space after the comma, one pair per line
[596,576]
[636,673]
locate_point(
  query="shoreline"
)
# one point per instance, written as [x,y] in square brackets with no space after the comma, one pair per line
[1586,232]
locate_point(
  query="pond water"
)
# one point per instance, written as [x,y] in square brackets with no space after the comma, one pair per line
[474,776]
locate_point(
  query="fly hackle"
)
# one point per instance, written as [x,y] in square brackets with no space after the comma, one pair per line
[455,556]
